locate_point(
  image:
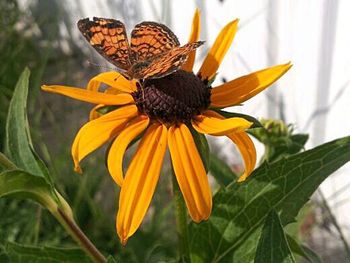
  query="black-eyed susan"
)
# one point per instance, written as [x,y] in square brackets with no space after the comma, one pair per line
[162,112]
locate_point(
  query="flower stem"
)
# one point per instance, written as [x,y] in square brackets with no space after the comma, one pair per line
[63,213]
[75,232]
[181,222]
[335,222]
[37,224]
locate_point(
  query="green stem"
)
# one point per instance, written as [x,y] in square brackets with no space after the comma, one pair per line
[75,232]
[267,154]
[63,214]
[335,222]
[181,221]
[37,225]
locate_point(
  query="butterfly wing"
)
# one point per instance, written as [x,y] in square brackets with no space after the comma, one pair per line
[168,63]
[149,40]
[108,37]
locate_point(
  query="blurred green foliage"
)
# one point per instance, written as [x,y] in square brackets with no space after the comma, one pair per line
[17,51]
[29,37]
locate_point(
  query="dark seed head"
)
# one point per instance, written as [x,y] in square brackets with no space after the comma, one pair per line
[174,98]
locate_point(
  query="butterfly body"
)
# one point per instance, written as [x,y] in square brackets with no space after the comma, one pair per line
[136,69]
[154,50]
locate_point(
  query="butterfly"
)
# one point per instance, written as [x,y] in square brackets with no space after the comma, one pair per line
[154,50]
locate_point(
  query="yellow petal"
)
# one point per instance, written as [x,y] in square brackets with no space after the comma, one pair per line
[140,181]
[218,51]
[247,149]
[95,133]
[210,123]
[194,36]
[94,114]
[121,143]
[90,96]
[190,172]
[245,146]
[112,79]
[243,88]
[111,90]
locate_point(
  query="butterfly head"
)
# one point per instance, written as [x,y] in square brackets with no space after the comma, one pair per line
[136,70]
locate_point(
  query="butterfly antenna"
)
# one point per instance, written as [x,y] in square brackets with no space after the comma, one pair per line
[103,67]
[99,66]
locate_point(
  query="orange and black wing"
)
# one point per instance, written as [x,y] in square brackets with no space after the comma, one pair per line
[169,62]
[149,40]
[108,37]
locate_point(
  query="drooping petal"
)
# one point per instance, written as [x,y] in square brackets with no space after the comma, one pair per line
[140,181]
[90,96]
[112,79]
[246,147]
[190,172]
[209,123]
[95,133]
[218,50]
[194,36]
[121,143]
[241,89]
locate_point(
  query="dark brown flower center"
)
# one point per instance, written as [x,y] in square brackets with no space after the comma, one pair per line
[174,98]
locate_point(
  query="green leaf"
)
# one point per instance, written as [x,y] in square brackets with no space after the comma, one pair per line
[18,144]
[221,171]
[294,144]
[110,259]
[226,114]
[232,231]
[299,140]
[273,245]
[30,254]
[203,148]
[20,184]
[302,250]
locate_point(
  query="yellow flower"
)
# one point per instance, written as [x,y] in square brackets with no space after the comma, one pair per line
[162,112]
